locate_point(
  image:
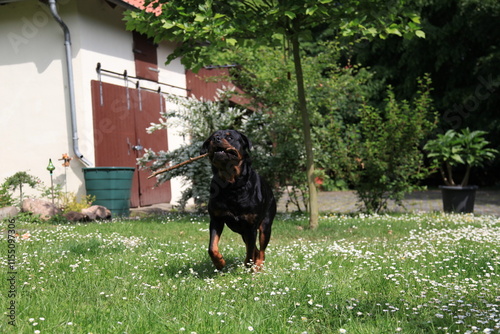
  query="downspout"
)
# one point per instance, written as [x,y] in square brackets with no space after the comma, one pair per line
[71,84]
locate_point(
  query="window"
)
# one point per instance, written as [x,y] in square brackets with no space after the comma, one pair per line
[146,58]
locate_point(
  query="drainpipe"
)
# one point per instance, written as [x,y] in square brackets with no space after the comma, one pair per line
[71,84]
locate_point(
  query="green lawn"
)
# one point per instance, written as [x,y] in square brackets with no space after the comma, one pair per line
[426,273]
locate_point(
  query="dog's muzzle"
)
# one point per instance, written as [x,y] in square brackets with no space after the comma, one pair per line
[223,153]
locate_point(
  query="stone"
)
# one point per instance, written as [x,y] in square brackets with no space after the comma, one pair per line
[97,212]
[74,217]
[45,209]
[8,212]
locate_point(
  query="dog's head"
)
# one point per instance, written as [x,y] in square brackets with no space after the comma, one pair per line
[228,152]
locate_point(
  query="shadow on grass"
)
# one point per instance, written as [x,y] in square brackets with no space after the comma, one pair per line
[204,269]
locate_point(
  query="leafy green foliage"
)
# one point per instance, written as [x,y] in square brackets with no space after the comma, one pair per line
[5,196]
[52,193]
[454,148]
[70,202]
[461,54]
[386,148]
[29,218]
[18,180]
[206,26]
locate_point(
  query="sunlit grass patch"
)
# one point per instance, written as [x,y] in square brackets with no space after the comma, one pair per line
[422,273]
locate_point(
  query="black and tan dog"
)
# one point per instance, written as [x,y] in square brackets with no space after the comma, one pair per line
[239,197]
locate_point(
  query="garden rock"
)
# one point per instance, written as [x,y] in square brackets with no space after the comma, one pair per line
[8,212]
[45,209]
[74,217]
[97,212]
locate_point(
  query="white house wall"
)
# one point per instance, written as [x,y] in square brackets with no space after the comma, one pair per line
[34,110]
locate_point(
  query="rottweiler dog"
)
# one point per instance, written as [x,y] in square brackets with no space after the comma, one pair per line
[239,197]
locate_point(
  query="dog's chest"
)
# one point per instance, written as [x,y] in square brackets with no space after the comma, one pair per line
[237,210]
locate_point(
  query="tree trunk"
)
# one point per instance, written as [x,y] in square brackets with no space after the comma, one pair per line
[450,175]
[306,126]
[465,181]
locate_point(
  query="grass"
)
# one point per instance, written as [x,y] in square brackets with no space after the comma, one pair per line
[419,273]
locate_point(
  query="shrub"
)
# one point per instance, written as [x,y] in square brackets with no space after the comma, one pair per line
[5,196]
[387,150]
[18,180]
[70,202]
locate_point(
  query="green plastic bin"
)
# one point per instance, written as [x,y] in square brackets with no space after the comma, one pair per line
[111,187]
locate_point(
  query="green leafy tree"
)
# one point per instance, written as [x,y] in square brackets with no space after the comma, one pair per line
[202,27]
[18,180]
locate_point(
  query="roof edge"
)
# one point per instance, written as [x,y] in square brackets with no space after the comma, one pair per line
[126,4]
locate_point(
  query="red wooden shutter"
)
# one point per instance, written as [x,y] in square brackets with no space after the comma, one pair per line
[146,58]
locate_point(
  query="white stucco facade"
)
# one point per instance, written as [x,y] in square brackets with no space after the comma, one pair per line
[35,122]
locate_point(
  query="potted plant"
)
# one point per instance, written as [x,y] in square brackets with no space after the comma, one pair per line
[453,149]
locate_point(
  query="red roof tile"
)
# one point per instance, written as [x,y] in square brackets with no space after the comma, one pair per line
[140,4]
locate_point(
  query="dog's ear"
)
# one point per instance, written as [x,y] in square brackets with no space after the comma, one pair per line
[204,147]
[247,144]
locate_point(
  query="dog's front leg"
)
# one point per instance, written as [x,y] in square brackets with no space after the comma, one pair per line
[213,247]
[249,237]
[264,236]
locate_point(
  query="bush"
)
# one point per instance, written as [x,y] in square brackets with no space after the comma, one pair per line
[387,148]
[69,202]
[5,196]
[18,180]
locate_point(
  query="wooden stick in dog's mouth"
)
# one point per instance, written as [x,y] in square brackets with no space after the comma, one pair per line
[178,165]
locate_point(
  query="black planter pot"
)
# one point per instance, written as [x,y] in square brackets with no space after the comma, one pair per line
[458,199]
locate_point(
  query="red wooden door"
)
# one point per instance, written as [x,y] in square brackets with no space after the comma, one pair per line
[121,116]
